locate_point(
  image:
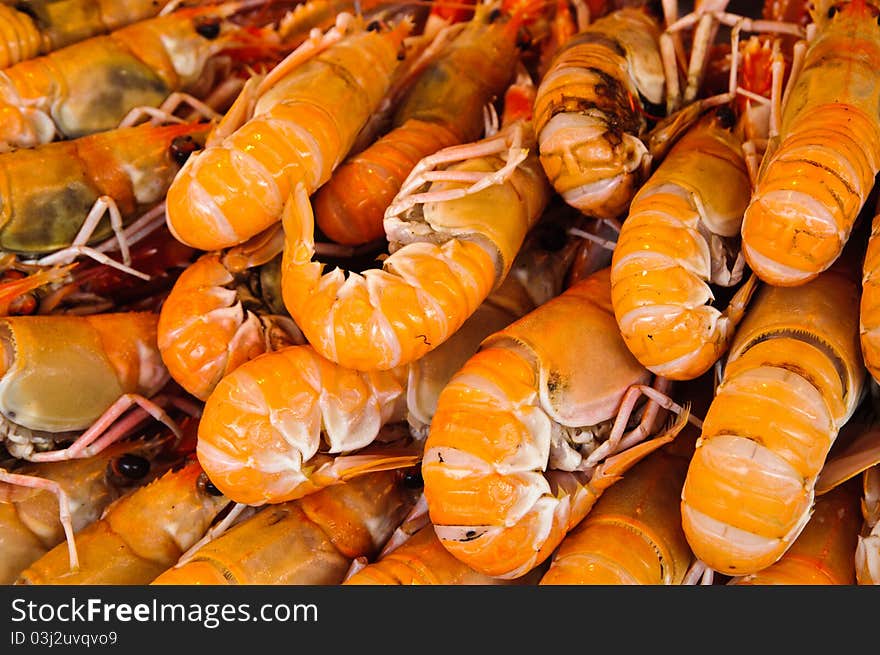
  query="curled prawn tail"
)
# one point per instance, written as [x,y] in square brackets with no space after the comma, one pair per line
[350,208]
[14,289]
[793,231]
[263,426]
[21,39]
[751,483]
[381,318]
[204,332]
[602,183]
[491,503]
[660,292]
[484,495]
[869,315]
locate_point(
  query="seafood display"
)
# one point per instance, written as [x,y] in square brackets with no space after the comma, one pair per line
[496,292]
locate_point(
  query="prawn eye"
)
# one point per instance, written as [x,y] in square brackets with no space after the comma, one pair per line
[726,117]
[374,26]
[832,11]
[133,467]
[209,28]
[413,480]
[207,486]
[182,147]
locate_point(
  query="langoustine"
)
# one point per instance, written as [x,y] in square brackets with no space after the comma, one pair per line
[533,428]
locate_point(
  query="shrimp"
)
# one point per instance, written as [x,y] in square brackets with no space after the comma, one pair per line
[57,196]
[588,112]
[30,523]
[91,86]
[37,27]
[61,374]
[451,244]
[272,423]
[529,432]
[633,535]
[824,553]
[829,138]
[309,541]
[221,313]
[442,108]
[674,241]
[290,128]
[793,376]
[140,535]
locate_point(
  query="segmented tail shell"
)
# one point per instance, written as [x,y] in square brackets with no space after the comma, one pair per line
[21,39]
[793,377]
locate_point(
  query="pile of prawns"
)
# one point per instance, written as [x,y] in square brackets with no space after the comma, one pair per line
[509,292]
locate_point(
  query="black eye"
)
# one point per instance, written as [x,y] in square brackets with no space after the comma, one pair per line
[373,26]
[133,467]
[182,147]
[210,28]
[413,480]
[726,117]
[208,486]
[831,12]
[494,15]
[553,238]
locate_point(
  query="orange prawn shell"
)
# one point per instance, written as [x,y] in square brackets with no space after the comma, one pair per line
[750,485]
[633,534]
[662,264]
[816,177]
[140,535]
[199,330]
[256,453]
[824,552]
[487,486]
[779,311]
[307,541]
[869,314]
[300,130]
[421,560]
[583,392]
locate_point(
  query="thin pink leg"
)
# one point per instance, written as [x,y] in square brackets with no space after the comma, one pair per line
[699,573]
[103,432]
[142,227]
[605,243]
[64,515]
[423,173]
[619,439]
